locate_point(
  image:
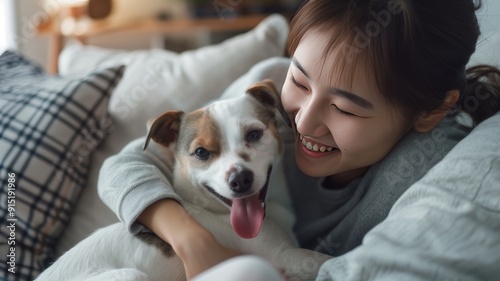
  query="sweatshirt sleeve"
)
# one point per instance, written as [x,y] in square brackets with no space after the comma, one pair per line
[444,227]
[133,179]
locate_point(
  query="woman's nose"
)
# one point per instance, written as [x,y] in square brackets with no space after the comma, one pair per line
[310,119]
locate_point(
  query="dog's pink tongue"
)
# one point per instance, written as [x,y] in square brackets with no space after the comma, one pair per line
[247,215]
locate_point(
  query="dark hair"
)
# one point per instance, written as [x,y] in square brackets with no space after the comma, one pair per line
[416,47]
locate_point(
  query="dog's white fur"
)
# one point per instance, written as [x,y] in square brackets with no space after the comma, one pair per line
[112,253]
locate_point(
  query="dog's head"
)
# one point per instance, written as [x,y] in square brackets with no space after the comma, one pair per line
[228,148]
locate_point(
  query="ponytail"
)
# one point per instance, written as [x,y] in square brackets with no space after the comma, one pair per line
[481,98]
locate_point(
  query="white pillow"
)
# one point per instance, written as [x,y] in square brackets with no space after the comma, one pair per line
[158,80]
[274,69]
[155,81]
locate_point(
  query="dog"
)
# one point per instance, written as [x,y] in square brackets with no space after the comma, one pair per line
[224,155]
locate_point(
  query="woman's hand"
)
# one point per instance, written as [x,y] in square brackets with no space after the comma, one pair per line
[201,251]
[197,247]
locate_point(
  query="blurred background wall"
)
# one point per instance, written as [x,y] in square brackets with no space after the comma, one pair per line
[19,17]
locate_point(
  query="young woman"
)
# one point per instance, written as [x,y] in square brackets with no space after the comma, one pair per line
[373,91]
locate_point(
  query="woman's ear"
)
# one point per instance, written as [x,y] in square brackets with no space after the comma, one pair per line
[428,120]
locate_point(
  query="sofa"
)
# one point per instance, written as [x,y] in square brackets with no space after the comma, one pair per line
[55,131]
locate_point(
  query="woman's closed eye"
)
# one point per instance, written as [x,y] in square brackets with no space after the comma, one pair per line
[296,83]
[342,111]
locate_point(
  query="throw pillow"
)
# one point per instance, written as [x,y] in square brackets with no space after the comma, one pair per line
[49,127]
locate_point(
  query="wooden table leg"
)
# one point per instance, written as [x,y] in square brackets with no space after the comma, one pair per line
[56,42]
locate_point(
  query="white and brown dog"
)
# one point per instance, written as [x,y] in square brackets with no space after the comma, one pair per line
[224,156]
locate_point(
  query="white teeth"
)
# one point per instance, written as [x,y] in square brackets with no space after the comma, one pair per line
[315,147]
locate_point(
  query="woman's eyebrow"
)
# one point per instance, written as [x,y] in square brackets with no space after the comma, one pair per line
[299,66]
[352,97]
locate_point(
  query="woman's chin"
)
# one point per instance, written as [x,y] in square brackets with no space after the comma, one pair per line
[317,164]
[313,170]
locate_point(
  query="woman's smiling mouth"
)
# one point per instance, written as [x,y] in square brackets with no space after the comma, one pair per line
[315,147]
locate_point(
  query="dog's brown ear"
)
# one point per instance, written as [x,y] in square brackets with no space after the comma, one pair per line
[266,93]
[164,129]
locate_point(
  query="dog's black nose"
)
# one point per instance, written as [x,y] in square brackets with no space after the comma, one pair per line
[240,182]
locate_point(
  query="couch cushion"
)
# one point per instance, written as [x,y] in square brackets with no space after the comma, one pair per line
[487,51]
[49,126]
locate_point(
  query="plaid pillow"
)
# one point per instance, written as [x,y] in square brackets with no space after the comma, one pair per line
[49,126]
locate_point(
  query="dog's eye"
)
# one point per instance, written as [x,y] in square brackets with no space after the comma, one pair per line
[254,135]
[201,153]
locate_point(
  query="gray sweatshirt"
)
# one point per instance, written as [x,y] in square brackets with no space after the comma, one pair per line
[391,224]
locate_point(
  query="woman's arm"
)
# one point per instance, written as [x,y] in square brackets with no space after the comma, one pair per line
[136,185]
[133,179]
[197,247]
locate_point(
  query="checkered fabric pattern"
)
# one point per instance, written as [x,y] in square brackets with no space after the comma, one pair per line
[49,125]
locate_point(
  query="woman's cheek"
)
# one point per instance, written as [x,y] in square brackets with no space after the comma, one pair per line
[287,99]
[348,136]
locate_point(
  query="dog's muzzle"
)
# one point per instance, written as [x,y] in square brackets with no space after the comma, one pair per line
[247,212]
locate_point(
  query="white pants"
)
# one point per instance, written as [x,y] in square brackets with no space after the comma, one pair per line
[242,268]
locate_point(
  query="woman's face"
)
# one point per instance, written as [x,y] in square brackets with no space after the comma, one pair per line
[341,128]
